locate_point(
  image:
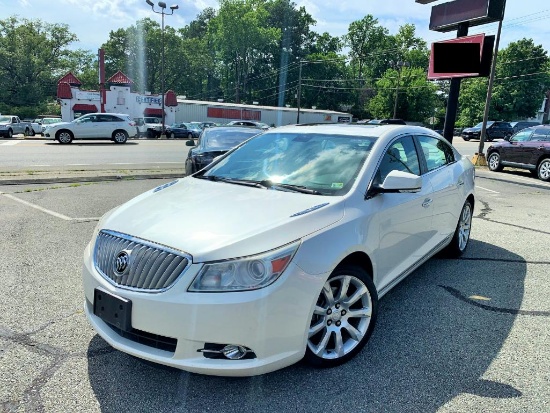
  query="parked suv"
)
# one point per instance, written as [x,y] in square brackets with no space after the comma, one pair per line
[522,124]
[528,149]
[117,127]
[495,130]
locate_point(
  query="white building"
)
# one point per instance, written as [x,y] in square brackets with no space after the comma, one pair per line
[120,99]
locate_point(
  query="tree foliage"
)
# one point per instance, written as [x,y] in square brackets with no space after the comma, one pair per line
[265,51]
[31,55]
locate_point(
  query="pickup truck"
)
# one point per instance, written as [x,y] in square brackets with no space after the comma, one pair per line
[149,126]
[11,125]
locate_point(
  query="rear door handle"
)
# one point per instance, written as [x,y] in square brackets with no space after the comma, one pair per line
[460,183]
[427,202]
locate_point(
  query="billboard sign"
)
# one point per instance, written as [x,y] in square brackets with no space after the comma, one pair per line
[468,56]
[447,16]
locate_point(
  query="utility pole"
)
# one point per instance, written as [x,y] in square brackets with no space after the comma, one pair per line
[479,157]
[299,91]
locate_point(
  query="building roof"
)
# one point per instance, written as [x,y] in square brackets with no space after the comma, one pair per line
[120,78]
[170,99]
[70,79]
[259,107]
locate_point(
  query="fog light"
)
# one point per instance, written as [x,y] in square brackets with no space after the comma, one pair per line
[233,352]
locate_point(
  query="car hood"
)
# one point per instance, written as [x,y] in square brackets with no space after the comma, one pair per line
[56,125]
[216,220]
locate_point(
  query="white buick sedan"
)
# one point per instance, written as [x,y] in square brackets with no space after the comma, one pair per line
[277,251]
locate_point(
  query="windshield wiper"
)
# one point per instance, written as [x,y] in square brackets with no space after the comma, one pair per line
[289,187]
[243,182]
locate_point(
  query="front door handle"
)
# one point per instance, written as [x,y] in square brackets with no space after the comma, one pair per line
[427,202]
[460,183]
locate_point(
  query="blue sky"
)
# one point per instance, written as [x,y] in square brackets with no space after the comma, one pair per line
[92,20]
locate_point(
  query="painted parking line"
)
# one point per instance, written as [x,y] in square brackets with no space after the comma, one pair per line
[485,189]
[45,210]
[10,143]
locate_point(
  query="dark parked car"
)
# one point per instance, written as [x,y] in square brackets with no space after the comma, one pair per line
[495,130]
[183,130]
[386,122]
[216,141]
[249,123]
[522,124]
[528,149]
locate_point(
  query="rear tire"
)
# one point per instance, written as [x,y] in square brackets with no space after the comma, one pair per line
[466,139]
[461,237]
[543,170]
[120,136]
[343,318]
[493,162]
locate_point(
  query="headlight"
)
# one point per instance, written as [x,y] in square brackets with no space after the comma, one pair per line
[244,274]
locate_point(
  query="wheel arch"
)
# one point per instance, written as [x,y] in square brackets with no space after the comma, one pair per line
[360,259]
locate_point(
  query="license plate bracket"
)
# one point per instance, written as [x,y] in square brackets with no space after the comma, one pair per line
[113,309]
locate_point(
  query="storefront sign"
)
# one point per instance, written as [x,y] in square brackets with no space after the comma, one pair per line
[149,99]
[87,95]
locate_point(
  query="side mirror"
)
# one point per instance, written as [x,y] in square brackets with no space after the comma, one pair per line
[507,138]
[190,143]
[398,181]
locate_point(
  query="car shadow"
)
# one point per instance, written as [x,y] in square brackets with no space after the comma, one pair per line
[438,331]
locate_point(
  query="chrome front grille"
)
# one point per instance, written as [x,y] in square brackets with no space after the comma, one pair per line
[136,264]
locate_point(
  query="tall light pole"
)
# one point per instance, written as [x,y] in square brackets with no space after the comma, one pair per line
[399,66]
[162,6]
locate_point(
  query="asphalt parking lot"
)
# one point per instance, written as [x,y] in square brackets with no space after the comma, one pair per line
[467,335]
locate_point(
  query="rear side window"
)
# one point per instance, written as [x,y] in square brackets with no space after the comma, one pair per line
[437,153]
[541,134]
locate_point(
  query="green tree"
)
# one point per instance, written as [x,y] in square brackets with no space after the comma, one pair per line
[242,37]
[521,81]
[416,97]
[31,53]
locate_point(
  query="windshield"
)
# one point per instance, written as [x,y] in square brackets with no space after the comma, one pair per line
[328,164]
[480,124]
[224,139]
[5,119]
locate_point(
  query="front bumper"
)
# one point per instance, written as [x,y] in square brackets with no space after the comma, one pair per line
[272,322]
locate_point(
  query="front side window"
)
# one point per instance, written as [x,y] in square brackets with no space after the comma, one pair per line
[437,153]
[327,164]
[400,156]
[522,136]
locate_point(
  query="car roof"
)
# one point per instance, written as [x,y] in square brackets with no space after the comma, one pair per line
[353,129]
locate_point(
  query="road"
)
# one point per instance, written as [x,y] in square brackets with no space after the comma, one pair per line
[466,335]
[35,154]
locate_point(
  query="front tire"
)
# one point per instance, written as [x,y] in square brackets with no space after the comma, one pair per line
[120,136]
[343,318]
[493,162]
[461,236]
[543,170]
[64,137]
[466,139]
[10,134]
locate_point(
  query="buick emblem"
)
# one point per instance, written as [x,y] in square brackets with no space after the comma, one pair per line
[122,261]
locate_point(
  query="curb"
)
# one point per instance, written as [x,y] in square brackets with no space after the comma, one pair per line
[97,178]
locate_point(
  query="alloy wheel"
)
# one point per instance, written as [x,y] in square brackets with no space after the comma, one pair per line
[65,137]
[464,226]
[341,317]
[494,161]
[544,170]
